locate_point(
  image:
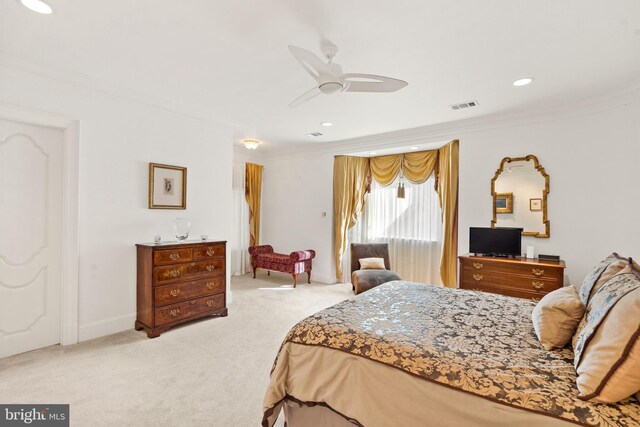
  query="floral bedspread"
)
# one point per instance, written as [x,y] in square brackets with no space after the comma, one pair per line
[480,343]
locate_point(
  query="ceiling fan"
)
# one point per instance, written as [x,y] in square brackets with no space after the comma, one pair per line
[330,78]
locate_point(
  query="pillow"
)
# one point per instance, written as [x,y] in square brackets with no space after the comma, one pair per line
[371,263]
[600,274]
[607,344]
[556,317]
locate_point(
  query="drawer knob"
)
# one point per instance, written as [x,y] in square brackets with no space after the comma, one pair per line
[211,285]
[211,252]
[537,272]
[174,292]
[174,256]
[477,265]
[210,303]
[211,267]
[175,272]
[477,277]
[537,285]
[175,312]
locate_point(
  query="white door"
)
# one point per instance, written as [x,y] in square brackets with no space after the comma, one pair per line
[30,236]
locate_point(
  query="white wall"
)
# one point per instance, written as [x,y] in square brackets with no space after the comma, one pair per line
[296,190]
[591,152]
[592,160]
[118,139]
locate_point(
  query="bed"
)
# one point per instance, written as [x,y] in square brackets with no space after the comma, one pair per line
[409,354]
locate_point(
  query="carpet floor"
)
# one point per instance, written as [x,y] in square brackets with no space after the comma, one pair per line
[212,372]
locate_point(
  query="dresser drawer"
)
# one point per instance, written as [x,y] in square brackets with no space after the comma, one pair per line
[184,310]
[181,272]
[526,270]
[170,294]
[503,291]
[207,252]
[172,256]
[532,284]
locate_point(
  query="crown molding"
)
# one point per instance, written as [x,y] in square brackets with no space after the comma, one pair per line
[442,132]
[242,154]
[84,81]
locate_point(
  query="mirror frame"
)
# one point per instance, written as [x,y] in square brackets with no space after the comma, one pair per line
[545,191]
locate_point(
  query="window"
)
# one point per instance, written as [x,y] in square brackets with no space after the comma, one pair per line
[411,226]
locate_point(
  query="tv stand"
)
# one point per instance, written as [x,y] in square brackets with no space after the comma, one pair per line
[518,276]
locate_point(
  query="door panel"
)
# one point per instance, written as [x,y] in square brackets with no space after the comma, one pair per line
[31,242]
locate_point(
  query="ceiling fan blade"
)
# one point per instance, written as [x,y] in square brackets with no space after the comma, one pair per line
[372,83]
[305,97]
[310,62]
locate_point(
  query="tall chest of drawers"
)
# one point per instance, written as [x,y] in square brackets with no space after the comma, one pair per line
[516,277]
[179,282]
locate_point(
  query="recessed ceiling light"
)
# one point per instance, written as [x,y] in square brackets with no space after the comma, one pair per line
[373,153]
[327,124]
[523,82]
[414,148]
[37,6]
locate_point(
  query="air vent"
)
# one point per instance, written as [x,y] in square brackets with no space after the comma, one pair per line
[314,134]
[464,105]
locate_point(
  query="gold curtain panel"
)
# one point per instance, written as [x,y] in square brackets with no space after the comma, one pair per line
[351,181]
[448,171]
[253,190]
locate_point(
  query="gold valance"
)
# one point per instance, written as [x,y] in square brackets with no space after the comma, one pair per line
[416,166]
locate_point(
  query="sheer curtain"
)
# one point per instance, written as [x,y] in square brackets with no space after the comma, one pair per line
[240,261]
[411,226]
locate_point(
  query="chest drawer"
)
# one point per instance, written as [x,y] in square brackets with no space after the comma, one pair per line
[207,252]
[172,256]
[524,283]
[184,310]
[180,272]
[510,292]
[171,294]
[526,270]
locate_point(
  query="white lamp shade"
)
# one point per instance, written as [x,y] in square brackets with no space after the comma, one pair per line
[251,144]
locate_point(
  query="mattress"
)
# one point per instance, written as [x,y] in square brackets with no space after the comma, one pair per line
[407,354]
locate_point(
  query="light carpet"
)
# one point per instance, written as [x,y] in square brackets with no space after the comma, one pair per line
[212,372]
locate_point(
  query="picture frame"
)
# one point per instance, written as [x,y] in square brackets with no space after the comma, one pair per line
[503,203]
[167,186]
[535,205]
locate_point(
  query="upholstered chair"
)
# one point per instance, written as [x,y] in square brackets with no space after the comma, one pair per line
[363,280]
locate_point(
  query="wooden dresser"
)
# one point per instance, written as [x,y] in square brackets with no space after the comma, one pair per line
[516,277]
[179,282]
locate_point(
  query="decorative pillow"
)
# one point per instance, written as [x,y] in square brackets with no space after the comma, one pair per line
[556,317]
[600,274]
[371,263]
[607,344]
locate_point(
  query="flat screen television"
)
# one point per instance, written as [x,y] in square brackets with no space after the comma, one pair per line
[500,241]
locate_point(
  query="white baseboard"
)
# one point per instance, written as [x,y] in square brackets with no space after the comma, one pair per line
[105,327]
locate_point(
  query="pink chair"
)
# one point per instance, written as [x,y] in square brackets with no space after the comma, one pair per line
[295,263]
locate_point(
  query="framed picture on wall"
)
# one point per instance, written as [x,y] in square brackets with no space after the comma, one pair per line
[504,203]
[167,186]
[535,204]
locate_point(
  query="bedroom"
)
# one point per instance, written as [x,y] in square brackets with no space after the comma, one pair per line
[144,85]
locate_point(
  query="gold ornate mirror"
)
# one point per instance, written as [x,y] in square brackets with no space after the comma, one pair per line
[519,190]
